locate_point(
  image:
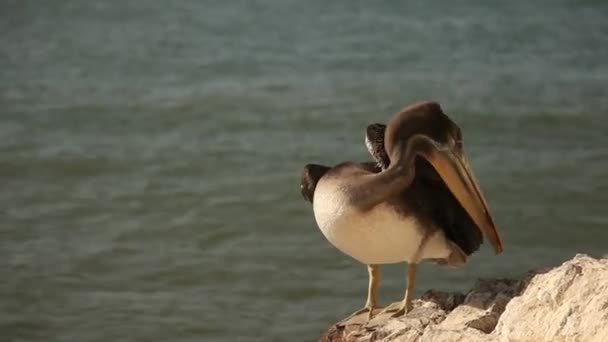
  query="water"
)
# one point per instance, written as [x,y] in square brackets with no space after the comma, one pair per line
[151,153]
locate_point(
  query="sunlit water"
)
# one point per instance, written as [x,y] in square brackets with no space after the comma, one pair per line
[150,153]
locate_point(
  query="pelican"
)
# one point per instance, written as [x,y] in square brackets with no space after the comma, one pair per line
[418,201]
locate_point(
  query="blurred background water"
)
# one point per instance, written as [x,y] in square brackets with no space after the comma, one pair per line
[151,152]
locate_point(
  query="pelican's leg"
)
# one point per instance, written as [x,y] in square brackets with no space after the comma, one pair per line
[372,289]
[372,294]
[405,306]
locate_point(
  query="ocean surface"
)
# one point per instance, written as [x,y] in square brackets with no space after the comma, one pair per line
[150,153]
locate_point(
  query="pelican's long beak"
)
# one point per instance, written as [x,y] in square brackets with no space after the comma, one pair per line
[454,169]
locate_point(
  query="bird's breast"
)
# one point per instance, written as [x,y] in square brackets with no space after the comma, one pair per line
[377,236]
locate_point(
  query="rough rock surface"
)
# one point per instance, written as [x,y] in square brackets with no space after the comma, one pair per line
[566,303]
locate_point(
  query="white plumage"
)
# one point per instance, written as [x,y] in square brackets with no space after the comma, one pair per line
[378,236]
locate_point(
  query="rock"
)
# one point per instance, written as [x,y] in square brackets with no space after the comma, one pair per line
[566,303]
[482,306]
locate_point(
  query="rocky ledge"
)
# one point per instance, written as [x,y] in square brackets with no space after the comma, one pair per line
[565,303]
